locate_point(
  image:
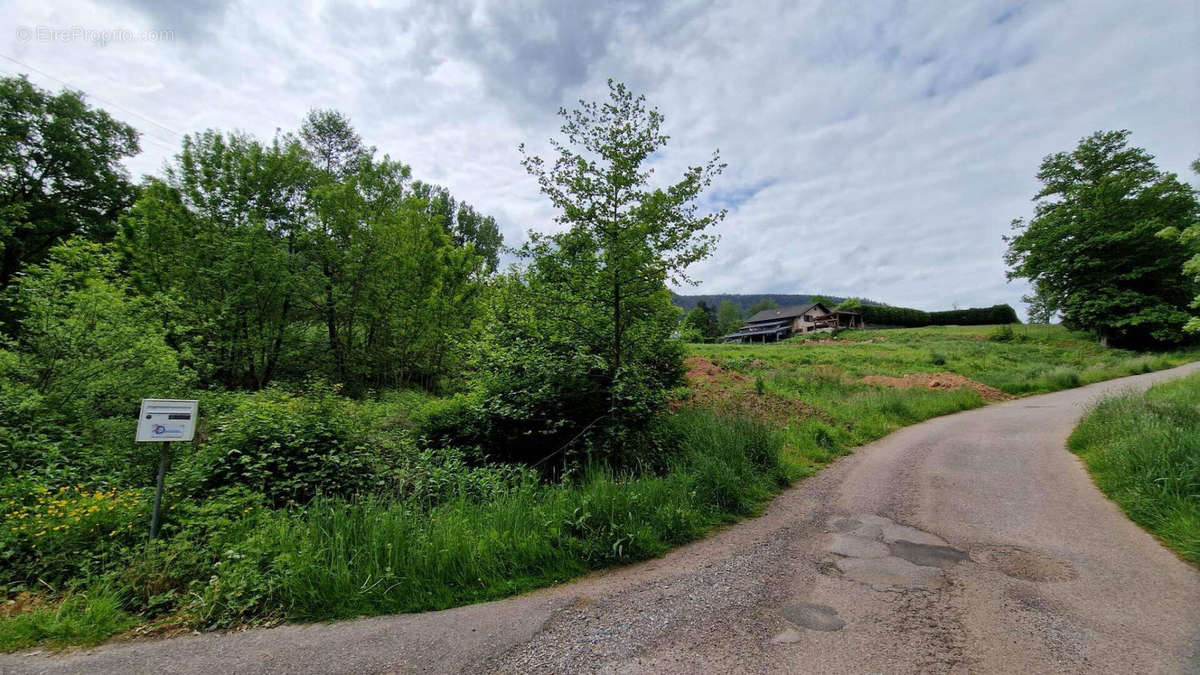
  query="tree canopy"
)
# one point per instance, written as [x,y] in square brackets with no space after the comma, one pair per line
[60,172]
[1091,248]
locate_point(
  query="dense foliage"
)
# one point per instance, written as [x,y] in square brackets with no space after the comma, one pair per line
[1092,251]
[307,256]
[886,315]
[60,172]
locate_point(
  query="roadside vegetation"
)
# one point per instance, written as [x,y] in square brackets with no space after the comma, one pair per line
[390,422]
[1143,451]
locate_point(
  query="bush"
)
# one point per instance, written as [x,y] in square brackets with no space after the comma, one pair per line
[288,448]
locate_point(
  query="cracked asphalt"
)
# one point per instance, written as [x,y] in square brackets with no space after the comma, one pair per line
[969,543]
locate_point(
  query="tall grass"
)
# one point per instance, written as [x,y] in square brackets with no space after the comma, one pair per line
[1143,450]
[80,618]
[336,560]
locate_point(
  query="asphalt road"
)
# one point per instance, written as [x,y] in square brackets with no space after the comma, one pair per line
[969,543]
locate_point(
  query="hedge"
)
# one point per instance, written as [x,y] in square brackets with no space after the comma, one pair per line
[884,315]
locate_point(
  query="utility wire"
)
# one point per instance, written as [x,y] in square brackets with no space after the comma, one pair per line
[102,100]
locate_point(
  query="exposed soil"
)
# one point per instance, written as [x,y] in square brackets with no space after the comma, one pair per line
[714,387]
[23,602]
[939,381]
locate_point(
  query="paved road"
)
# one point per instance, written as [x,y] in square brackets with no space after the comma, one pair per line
[969,543]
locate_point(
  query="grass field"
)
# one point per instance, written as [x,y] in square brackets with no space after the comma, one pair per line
[1143,450]
[815,388]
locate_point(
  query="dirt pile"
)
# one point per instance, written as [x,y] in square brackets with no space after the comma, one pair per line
[938,381]
[714,387]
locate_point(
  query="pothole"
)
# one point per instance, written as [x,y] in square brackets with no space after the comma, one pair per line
[927,554]
[1019,563]
[812,616]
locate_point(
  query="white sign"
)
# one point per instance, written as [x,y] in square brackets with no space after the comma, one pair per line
[165,419]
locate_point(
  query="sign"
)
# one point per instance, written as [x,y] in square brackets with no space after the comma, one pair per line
[165,419]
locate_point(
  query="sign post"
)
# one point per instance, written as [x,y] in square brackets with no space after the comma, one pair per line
[163,420]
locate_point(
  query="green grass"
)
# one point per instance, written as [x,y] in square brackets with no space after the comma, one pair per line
[338,560]
[80,618]
[1143,451]
[1037,359]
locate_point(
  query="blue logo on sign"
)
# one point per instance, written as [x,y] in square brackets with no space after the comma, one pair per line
[159,429]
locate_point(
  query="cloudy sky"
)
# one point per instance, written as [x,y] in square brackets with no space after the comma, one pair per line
[877,149]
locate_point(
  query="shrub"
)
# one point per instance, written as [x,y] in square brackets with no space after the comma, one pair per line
[288,448]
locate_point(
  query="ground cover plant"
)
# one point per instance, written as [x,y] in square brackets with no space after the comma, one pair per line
[1143,450]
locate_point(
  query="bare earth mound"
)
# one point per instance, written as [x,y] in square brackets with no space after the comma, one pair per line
[713,386]
[939,381]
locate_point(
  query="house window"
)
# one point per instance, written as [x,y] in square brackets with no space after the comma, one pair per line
[808,317]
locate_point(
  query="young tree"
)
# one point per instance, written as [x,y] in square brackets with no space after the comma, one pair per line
[598,336]
[60,172]
[1091,251]
[729,318]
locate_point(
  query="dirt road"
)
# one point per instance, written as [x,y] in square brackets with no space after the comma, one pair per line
[969,543]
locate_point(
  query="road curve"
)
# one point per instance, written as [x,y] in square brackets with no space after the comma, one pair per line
[969,543]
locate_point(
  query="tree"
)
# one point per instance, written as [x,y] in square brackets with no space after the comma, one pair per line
[729,318]
[1039,306]
[60,172]
[221,236]
[585,349]
[702,319]
[1188,239]
[1091,249]
[762,305]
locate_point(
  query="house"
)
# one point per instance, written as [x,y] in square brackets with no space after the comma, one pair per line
[770,325]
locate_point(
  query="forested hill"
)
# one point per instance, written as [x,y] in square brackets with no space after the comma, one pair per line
[745,302]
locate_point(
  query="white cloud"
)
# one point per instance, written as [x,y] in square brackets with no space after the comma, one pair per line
[874,149]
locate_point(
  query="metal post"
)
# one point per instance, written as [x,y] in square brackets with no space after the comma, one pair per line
[156,515]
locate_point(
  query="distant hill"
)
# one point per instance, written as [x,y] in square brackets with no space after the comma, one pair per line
[744,302]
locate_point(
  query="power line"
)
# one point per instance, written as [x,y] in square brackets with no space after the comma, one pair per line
[105,101]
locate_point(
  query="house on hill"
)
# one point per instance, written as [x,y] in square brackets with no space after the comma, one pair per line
[771,325]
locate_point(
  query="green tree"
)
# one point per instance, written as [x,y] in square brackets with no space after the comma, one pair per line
[584,345]
[1091,251]
[850,305]
[762,305]
[1039,306]
[222,236]
[729,318]
[60,172]
[1189,240]
[702,319]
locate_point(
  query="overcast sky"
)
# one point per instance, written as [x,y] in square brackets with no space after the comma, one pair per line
[877,149]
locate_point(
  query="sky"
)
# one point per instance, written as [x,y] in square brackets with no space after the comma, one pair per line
[874,149]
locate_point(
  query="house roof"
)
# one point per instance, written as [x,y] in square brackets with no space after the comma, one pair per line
[761,329]
[784,313]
